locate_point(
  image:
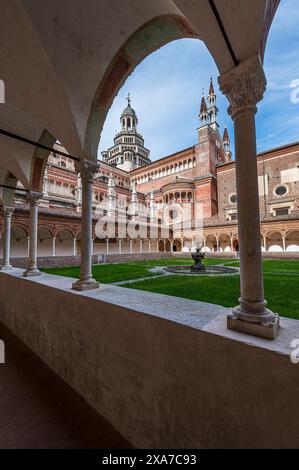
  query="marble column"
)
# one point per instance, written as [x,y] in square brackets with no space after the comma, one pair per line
[32,269]
[217,240]
[74,246]
[131,245]
[244,87]
[28,246]
[54,246]
[140,245]
[119,246]
[107,246]
[7,214]
[284,243]
[192,243]
[149,246]
[265,242]
[87,170]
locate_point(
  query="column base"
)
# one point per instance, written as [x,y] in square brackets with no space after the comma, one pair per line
[85,285]
[6,267]
[31,273]
[256,321]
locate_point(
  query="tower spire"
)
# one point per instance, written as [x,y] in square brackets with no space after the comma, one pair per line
[203,114]
[212,109]
[211,90]
[203,105]
[226,144]
[225,135]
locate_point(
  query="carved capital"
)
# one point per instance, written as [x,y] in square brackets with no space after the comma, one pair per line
[7,211]
[87,170]
[33,197]
[244,86]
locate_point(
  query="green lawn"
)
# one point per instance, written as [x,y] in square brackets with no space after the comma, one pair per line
[118,272]
[281,279]
[107,273]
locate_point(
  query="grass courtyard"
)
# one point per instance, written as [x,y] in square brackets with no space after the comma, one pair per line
[281,281]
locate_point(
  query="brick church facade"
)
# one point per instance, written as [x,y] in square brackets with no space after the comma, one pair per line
[200,176]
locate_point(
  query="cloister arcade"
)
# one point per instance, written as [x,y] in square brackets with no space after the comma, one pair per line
[65,242]
[277,241]
[167,170]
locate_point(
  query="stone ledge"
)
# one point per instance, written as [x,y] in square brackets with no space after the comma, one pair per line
[192,313]
[166,372]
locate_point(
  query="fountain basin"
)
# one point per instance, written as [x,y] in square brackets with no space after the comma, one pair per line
[214,270]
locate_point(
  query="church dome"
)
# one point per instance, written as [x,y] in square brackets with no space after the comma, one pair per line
[128,111]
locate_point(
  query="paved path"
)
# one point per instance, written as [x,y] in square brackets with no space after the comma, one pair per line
[160,272]
[39,410]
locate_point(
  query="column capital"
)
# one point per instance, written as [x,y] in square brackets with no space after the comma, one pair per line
[34,196]
[87,170]
[244,86]
[8,211]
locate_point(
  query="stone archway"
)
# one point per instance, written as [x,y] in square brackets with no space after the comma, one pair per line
[44,242]
[161,246]
[19,242]
[211,243]
[159,31]
[224,242]
[236,245]
[187,245]
[292,241]
[64,243]
[177,245]
[274,241]
[167,246]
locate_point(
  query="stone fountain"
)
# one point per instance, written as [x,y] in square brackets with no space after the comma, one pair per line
[199,268]
[198,256]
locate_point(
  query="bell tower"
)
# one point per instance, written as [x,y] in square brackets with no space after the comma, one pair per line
[207,149]
[128,151]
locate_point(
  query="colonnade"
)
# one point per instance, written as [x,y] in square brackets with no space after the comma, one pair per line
[244,87]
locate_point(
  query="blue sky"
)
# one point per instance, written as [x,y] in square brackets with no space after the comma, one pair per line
[166,90]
